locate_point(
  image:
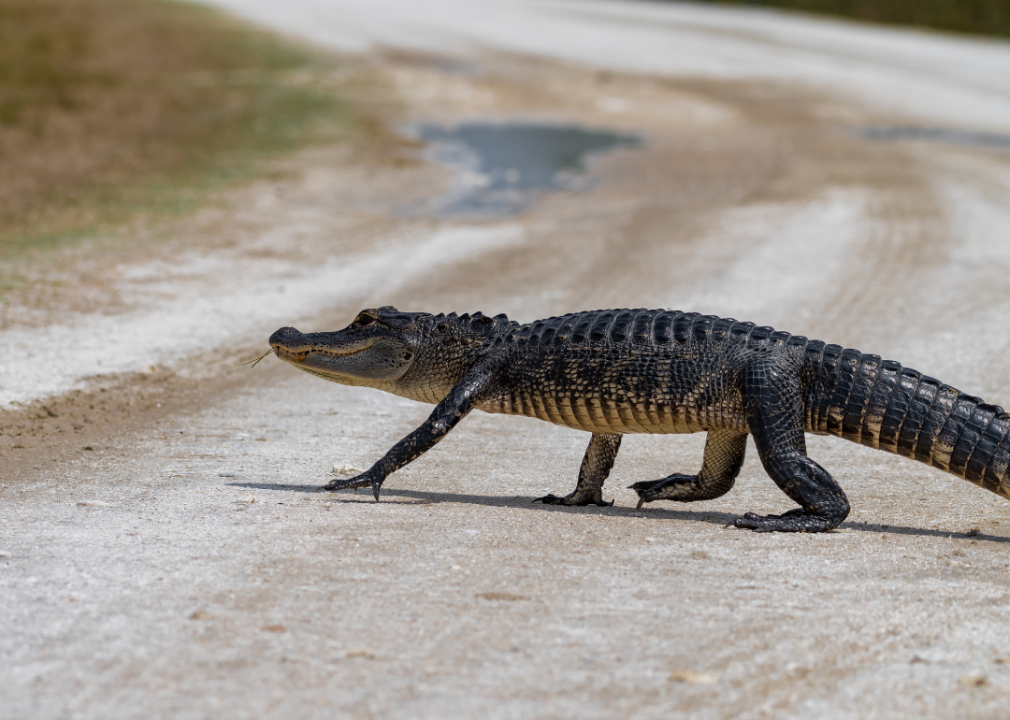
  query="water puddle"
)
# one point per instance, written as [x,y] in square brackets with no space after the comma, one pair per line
[940,135]
[502,167]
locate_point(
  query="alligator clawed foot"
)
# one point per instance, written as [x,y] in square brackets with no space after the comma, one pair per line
[359,481]
[641,488]
[796,520]
[575,500]
[676,487]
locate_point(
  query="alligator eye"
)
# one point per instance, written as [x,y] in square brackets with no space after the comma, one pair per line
[364,318]
[407,356]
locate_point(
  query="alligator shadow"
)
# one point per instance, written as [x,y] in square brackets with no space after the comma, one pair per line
[923,532]
[652,513]
[364,495]
[276,486]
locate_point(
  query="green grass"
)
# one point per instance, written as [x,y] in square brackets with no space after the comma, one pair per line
[114,110]
[980,17]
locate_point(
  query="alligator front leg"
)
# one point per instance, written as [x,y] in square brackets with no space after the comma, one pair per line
[724,454]
[596,466]
[454,407]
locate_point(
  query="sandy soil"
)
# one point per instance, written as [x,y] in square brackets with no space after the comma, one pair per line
[163,552]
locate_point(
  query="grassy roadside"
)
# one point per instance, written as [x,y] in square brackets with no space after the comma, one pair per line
[114,110]
[979,17]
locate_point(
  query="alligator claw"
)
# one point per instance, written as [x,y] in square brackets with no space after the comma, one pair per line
[574,500]
[550,499]
[358,481]
[797,520]
[639,487]
[676,487]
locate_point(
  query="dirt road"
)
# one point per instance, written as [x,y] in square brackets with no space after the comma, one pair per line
[163,552]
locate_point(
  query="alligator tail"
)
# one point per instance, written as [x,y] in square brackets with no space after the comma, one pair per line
[880,404]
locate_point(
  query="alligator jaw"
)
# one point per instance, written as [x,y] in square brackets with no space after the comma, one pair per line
[299,354]
[292,346]
[352,356]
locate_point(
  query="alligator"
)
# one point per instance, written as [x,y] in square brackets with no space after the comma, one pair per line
[613,372]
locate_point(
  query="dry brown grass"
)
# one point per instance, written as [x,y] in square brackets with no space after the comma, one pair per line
[114,108]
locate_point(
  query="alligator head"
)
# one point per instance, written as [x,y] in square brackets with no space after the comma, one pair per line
[379,347]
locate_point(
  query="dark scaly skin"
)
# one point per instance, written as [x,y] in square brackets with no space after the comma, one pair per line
[613,372]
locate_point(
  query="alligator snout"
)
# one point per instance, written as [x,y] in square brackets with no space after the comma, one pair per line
[287,337]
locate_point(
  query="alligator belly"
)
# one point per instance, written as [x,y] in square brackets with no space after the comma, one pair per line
[599,414]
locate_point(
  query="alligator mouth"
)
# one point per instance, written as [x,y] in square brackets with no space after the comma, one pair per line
[300,354]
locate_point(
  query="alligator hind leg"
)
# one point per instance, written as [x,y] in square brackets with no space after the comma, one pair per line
[724,453]
[596,465]
[772,397]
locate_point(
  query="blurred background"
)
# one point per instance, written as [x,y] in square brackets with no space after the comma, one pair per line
[984,17]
